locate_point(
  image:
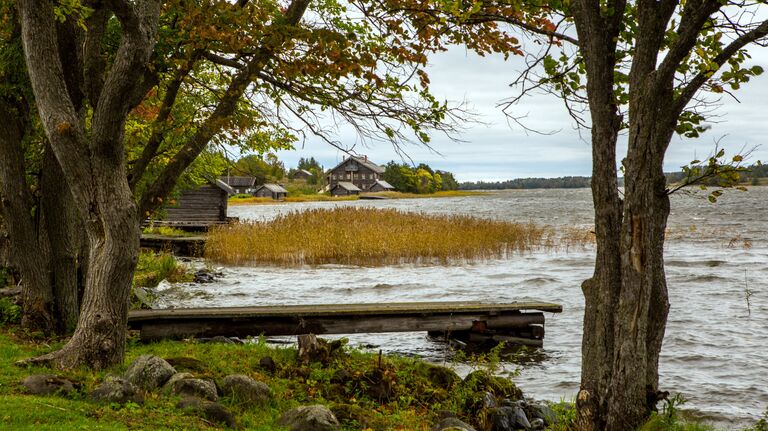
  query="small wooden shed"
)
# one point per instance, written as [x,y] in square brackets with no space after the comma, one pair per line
[345,189]
[274,191]
[202,206]
[239,184]
[302,174]
[381,186]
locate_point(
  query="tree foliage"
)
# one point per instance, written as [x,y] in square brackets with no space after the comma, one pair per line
[421,179]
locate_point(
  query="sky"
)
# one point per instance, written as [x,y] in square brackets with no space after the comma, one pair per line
[498,149]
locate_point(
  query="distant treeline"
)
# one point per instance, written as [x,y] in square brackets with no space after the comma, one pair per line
[529,183]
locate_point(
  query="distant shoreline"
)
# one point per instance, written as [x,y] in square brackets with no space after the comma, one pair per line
[327,198]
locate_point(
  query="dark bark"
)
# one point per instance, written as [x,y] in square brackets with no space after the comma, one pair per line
[61,226]
[94,167]
[30,252]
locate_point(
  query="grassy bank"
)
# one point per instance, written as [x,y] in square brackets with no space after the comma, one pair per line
[366,236]
[363,390]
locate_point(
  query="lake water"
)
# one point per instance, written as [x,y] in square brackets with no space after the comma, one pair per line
[714,352]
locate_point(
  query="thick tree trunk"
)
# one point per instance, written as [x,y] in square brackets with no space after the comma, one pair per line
[30,253]
[61,226]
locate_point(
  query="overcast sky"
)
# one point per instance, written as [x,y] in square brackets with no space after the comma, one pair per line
[498,150]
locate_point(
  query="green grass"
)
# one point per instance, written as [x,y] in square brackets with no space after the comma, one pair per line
[168,231]
[367,236]
[153,268]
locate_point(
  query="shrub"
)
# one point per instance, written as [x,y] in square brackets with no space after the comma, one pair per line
[10,313]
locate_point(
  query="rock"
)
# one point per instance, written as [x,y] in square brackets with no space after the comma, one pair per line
[117,390]
[175,378]
[508,418]
[217,413]
[267,364]
[451,424]
[499,386]
[192,387]
[245,389]
[149,372]
[46,384]
[488,400]
[187,364]
[211,410]
[538,424]
[310,418]
[442,377]
[203,276]
[544,412]
[353,413]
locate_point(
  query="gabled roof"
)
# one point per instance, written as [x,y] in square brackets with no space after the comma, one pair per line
[363,161]
[384,184]
[220,184]
[304,171]
[274,188]
[347,186]
[237,181]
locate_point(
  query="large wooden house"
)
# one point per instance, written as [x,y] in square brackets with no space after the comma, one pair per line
[356,170]
[199,207]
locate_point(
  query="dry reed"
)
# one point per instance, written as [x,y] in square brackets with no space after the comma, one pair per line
[369,237]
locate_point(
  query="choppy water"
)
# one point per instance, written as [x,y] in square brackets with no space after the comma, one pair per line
[714,352]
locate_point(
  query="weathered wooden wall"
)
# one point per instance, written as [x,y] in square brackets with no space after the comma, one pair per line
[207,203]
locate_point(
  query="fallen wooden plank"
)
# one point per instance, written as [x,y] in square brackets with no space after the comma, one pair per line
[340,319]
[344,309]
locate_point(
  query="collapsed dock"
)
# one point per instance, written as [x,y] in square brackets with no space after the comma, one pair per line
[515,322]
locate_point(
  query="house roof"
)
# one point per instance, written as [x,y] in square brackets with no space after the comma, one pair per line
[363,161]
[304,171]
[236,181]
[347,186]
[221,184]
[384,184]
[274,188]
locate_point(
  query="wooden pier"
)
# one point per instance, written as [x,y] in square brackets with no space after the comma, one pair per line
[191,246]
[516,322]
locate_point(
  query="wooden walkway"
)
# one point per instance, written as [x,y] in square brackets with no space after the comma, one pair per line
[516,321]
[192,246]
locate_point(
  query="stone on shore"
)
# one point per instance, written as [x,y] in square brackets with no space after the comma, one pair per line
[451,424]
[117,390]
[149,372]
[310,418]
[46,384]
[193,387]
[243,388]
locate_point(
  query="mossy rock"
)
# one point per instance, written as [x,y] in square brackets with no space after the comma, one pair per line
[482,381]
[441,377]
[353,415]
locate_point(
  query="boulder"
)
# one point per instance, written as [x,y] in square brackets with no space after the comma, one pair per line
[508,418]
[310,418]
[267,364]
[212,411]
[544,412]
[149,372]
[480,381]
[451,424]
[46,384]
[245,389]
[441,377]
[192,387]
[117,390]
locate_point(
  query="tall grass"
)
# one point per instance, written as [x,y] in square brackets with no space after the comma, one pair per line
[367,236]
[152,268]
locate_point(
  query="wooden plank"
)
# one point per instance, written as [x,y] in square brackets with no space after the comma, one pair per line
[415,308]
[295,325]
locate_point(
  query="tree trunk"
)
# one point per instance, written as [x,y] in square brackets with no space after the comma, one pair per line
[61,226]
[30,254]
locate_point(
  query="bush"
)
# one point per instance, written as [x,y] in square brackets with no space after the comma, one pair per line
[153,268]
[10,313]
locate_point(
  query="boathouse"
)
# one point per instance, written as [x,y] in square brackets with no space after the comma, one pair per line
[381,186]
[198,207]
[274,191]
[356,170]
[240,185]
[344,189]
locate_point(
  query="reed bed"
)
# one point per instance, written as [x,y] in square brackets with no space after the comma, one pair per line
[370,237]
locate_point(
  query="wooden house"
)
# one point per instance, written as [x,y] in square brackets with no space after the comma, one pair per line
[344,189]
[356,170]
[381,186]
[240,185]
[302,174]
[202,206]
[273,191]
